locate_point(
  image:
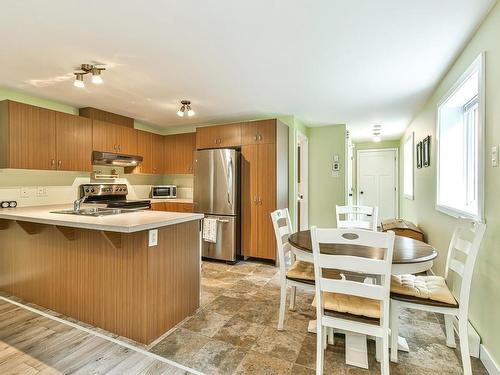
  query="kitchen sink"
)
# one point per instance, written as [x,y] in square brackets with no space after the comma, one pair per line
[95,211]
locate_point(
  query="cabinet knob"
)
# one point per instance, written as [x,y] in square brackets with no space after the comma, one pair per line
[52,162]
[256,137]
[59,163]
[260,137]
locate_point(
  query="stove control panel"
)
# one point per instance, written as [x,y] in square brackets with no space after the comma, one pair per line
[91,190]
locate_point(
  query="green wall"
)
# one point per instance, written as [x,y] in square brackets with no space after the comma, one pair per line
[368,146]
[485,293]
[325,191]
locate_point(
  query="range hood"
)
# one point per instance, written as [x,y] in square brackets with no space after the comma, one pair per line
[117,160]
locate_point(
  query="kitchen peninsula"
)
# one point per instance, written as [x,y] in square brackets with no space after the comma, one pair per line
[135,274]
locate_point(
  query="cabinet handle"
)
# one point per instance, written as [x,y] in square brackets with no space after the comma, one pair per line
[59,163]
[256,200]
[216,140]
[114,147]
[52,162]
[256,137]
[260,137]
[119,148]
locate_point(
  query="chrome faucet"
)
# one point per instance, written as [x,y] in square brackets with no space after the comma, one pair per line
[78,202]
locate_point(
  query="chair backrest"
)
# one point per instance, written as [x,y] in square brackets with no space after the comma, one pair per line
[362,217]
[381,268]
[282,229]
[462,253]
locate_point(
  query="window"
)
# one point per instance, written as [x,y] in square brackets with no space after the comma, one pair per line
[408,167]
[460,146]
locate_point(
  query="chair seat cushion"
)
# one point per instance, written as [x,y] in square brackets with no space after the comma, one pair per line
[432,288]
[348,304]
[301,271]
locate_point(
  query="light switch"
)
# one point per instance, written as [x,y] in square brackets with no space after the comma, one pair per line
[336,158]
[494,156]
[153,237]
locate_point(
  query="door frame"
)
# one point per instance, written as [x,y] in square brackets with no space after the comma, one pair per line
[396,174]
[302,140]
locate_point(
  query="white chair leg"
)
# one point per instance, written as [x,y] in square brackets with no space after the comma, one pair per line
[292,297]
[281,318]
[325,337]
[319,350]
[394,330]
[450,333]
[464,345]
[384,356]
[378,348]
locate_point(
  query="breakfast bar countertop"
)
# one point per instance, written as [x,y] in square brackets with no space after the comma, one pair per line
[128,222]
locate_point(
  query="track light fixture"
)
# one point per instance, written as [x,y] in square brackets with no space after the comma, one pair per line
[88,69]
[185,109]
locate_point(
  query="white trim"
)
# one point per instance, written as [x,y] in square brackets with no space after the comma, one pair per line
[489,363]
[303,140]
[103,336]
[412,136]
[396,175]
[479,64]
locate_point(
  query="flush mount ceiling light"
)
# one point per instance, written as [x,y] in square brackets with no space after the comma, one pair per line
[88,69]
[185,109]
[377,131]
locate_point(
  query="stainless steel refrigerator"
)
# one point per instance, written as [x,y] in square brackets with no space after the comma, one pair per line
[217,195]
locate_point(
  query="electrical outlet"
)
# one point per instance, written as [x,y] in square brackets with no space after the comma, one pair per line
[153,237]
[41,191]
[24,192]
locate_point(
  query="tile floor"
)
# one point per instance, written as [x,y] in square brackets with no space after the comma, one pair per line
[234,332]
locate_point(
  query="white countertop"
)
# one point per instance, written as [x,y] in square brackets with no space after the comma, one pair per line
[125,223]
[172,200]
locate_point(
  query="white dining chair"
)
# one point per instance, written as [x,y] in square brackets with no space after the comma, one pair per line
[293,273]
[352,305]
[362,217]
[432,293]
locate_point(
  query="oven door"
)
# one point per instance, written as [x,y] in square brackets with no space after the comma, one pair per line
[161,192]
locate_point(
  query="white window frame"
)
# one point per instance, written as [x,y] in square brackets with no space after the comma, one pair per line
[410,138]
[478,64]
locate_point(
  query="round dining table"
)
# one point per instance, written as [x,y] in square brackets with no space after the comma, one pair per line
[409,256]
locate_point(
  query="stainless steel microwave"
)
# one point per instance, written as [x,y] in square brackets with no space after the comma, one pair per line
[164,191]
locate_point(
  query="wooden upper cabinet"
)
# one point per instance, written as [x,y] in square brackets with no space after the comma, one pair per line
[219,136]
[109,137]
[28,136]
[179,152]
[205,138]
[255,132]
[228,135]
[145,149]
[158,154]
[73,142]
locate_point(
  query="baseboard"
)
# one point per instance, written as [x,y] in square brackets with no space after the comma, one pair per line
[488,362]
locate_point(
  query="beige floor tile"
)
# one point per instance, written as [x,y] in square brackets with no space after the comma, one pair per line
[260,364]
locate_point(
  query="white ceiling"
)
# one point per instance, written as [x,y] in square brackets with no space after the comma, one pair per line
[328,61]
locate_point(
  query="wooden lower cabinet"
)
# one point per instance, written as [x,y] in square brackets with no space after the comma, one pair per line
[172,206]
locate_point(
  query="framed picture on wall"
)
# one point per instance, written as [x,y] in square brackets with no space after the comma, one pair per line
[426,151]
[419,154]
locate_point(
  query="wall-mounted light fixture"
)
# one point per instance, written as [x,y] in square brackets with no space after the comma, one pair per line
[88,69]
[185,109]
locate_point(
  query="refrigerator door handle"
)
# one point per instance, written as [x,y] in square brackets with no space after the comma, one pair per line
[222,221]
[230,181]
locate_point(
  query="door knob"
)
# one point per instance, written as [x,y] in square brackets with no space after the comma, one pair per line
[361,192]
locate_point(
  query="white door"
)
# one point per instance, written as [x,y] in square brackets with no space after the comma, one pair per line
[377,181]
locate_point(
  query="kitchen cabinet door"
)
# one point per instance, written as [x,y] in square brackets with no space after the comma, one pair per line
[73,142]
[266,186]
[158,154]
[127,140]
[249,200]
[158,206]
[205,138]
[32,137]
[228,135]
[145,149]
[104,136]
[179,152]
[257,132]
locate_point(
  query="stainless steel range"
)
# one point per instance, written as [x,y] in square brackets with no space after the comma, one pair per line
[113,195]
